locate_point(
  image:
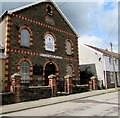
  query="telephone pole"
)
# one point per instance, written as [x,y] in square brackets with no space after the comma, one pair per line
[114,75]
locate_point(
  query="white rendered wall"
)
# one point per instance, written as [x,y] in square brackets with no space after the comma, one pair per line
[91,56]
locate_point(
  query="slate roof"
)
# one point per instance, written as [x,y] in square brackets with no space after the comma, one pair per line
[105,52]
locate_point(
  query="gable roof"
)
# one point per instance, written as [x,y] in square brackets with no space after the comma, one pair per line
[38,2]
[105,52]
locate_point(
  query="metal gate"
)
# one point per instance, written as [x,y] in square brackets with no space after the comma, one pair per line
[61,84]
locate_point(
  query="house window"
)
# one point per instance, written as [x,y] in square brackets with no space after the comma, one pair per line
[25,38]
[69,70]
[110,60]
[25,71]
[116,61]
[111,76]
[68,48]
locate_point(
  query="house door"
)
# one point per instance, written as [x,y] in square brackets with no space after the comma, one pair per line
[49,69]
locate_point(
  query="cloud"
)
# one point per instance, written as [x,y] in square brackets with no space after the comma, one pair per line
[95,41]
[94,20]
[79,14]
[90,40]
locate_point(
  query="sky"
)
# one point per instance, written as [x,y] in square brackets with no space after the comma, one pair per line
[96,21]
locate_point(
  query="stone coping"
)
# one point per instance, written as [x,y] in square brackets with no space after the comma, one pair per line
[39,87]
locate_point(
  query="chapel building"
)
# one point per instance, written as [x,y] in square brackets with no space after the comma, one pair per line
[38,41]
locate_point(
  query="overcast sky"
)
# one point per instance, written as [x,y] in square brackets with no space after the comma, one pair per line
[95,21]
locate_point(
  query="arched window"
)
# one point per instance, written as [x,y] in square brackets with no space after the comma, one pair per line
[49,9]
[25,37]
[25,71]
[69,70]
[68,48]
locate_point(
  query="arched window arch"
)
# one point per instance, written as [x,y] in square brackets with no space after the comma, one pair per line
[25,71]
[69,47]
[49,9]
[25,37]
[70,70]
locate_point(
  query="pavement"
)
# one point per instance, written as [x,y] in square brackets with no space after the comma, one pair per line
[50,101]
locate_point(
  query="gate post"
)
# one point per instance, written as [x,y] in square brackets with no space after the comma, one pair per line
[94,83]
[91,85]
[68,84]
[53,84]
[15,87]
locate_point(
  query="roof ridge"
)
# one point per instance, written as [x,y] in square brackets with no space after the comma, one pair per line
[104,51]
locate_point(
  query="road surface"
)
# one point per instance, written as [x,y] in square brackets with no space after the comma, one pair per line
[101,105]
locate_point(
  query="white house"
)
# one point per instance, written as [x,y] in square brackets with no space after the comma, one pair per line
[103,65]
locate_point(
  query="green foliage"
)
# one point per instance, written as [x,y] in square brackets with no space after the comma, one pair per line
[85,76]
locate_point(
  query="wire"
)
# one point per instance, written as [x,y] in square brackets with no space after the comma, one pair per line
[62,3]
[111,31]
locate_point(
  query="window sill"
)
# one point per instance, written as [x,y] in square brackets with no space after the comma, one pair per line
[112,82]
[24,46]
[70,55]
[49,14]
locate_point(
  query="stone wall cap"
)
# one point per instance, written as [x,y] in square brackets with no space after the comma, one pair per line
[68,76]
[16,75]
[93,77]
[39,87]
[51,76]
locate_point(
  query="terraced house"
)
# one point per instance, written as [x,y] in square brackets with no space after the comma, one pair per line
[38,41]
[100,62]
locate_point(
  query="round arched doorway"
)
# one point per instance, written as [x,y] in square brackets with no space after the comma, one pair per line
[50,68]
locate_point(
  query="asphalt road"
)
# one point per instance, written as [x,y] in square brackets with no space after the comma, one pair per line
[101,105]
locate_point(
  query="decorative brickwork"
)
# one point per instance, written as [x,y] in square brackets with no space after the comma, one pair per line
[15,87]
[73,71]
[42,24]
[68,84]
[31,35]
[56,71]
[7,51]
[93,83]
[32,20]
[72,47]
[53,84]
[49,9]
